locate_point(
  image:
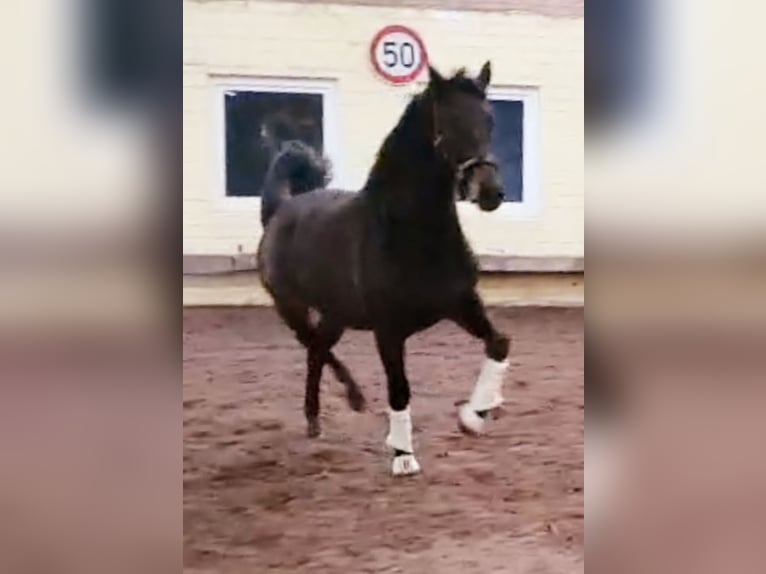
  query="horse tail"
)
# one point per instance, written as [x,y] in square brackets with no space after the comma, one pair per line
[297,168]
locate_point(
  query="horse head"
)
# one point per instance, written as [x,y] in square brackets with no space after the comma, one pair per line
[462,133]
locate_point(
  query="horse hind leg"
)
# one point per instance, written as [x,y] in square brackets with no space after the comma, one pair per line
[328,334]
[354,394]
[311,398]
[325,336]
[319,341]
[296,316]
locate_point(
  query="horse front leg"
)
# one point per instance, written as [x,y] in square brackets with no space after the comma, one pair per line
[399,439]
[487,393]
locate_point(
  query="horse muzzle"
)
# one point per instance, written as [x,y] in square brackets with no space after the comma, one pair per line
[489,200]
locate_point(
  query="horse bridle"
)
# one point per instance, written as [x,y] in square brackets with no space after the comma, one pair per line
[464,171]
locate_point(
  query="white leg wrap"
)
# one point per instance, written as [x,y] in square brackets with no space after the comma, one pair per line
[487,394]
[400,430]
[400,438]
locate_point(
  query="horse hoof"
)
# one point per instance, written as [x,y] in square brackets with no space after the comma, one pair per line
[313,430]
[356,401]
[469,422]
[404,465]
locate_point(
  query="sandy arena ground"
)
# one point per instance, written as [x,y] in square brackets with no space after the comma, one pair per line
[261,497]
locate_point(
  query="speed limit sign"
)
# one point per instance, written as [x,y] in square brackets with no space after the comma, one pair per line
[398,54]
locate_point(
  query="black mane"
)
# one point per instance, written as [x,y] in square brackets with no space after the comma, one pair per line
[409,174]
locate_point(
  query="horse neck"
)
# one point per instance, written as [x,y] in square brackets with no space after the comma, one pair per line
[410,180]
[410,200]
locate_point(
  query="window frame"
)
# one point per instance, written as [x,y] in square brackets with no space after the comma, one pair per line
[529,206]
[330,127]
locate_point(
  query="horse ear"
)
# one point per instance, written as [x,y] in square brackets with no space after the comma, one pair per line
[435,79]
[485,75]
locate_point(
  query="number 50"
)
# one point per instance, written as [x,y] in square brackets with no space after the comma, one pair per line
[405,54]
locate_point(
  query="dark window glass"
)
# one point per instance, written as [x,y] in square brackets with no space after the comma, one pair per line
[257,123]
[508,146]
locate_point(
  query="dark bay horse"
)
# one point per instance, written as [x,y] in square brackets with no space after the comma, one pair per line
[391,258]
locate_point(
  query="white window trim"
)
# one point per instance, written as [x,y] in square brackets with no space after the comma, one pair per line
[330,128]
[529,206]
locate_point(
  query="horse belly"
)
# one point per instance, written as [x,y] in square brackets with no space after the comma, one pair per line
[324,279]
[316,255]
[341,302]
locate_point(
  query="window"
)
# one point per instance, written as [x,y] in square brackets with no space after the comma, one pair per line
[515,146]
[508,146]
[258,116]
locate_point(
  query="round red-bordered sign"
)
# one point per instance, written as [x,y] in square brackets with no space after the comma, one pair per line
[398,54]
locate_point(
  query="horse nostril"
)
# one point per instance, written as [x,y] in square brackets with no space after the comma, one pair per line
[500,195]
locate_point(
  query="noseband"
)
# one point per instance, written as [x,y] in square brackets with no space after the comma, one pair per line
[464,169]
[464,173]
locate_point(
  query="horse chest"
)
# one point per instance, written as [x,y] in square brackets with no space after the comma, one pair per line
[429,290]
